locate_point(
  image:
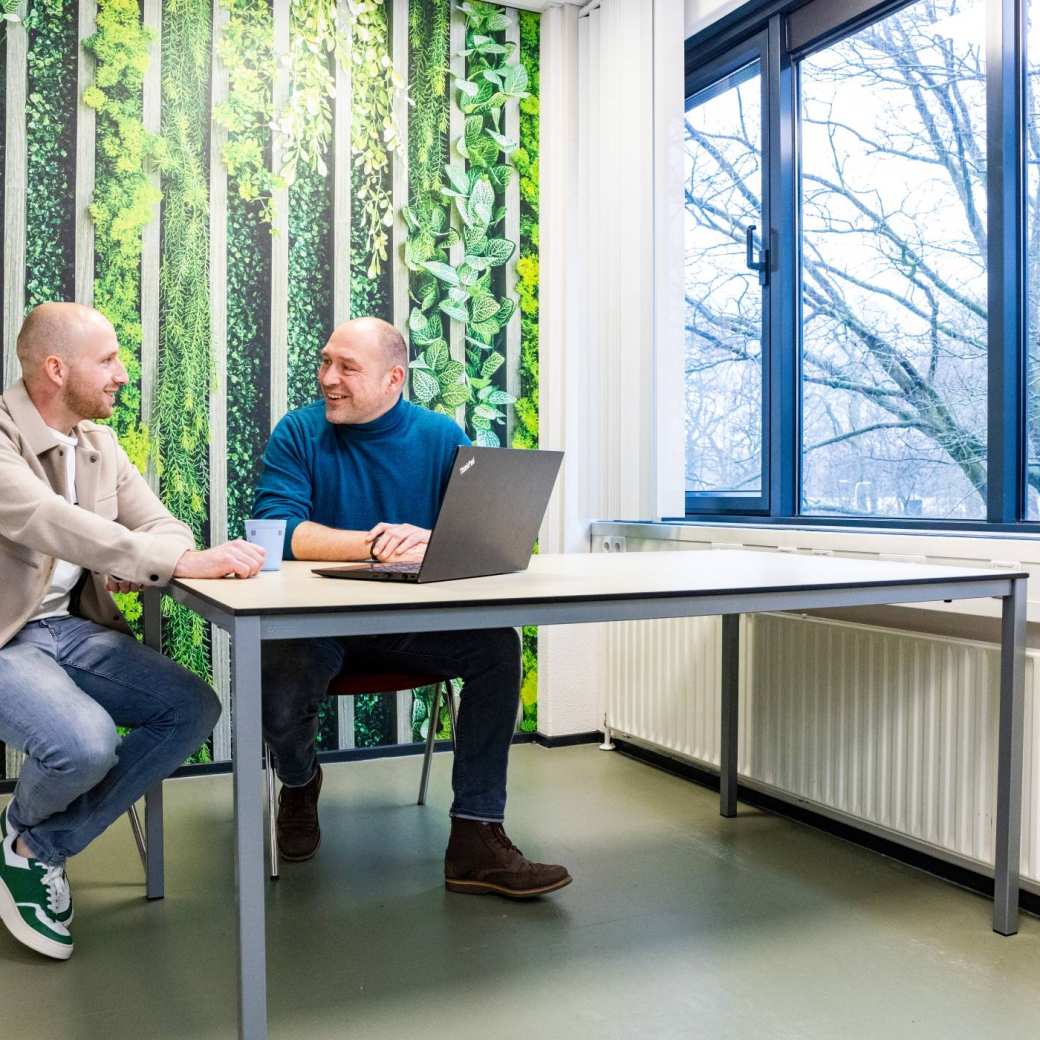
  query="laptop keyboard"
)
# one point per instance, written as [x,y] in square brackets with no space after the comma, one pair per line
[397,568]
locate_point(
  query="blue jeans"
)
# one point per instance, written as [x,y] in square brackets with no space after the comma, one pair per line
[65,684]
[296,675]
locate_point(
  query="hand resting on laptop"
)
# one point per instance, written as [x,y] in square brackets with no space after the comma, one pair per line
[398,543]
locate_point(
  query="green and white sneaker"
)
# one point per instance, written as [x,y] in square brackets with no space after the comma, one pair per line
[61,916]
[31,894]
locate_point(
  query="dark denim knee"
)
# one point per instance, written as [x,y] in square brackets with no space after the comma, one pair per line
[495,650]
[503,645]
[189,705]
[204,709]
[295,675]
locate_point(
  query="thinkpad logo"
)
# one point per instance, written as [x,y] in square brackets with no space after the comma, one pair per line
[469,465]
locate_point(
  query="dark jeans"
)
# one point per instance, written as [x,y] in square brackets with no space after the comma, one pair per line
[296,675]
[65,684]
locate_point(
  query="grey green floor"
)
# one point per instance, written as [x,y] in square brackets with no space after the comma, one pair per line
[678,924]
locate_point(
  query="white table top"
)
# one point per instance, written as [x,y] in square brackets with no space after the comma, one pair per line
[574,577]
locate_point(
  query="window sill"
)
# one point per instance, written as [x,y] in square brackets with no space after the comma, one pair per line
[962,619]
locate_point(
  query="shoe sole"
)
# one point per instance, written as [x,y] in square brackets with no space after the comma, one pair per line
[485,888]
[299,859]
[27,936]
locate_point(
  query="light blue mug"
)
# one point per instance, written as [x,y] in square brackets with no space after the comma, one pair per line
[270,536]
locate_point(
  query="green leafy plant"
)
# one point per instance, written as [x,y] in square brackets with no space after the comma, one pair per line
[9,12]
[124,197]
[305,127]
[429,26]
[50,124]
[3,133]
[469,212]
[525,158]
[246,50]
[373,720]
[248,354]
[374,141]
[305,122]
[180,429]
[310,281]
[525,410]
[422,705]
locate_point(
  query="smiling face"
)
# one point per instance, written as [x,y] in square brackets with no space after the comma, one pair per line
[95,374]
[359,376]
[70,363]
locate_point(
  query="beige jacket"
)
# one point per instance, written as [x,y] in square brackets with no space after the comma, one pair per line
[119,527]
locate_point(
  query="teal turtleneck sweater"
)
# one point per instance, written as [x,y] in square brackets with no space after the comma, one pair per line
[352,477]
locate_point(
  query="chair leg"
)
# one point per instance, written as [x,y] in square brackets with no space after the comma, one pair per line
[431,736]
[272,815]
[451,711]
[135,826]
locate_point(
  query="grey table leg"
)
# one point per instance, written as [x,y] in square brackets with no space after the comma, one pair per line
[1009,760]
[730,685]
[154,870]
[249,851]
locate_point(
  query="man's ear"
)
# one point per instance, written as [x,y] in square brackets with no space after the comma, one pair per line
[397,375]
[55,370]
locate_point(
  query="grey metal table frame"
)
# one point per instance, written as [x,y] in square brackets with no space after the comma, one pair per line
[248,629]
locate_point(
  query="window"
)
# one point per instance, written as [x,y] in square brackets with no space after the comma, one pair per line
[1032,194]
[723,299]
[885,367]
[893,273]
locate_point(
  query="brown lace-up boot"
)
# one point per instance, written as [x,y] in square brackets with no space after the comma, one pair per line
[298,832]
[480,859]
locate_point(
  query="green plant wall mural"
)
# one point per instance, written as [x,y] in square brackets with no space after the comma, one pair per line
[6,12]
[310,282]
[315,47]
[281,151]
[470,213]
[50,120]
[374,142]
[125,199]
[525,428]
[246,50]
[525,159]
[180,430]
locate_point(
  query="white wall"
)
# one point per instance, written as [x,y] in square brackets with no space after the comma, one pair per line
[611,297]
[700,13]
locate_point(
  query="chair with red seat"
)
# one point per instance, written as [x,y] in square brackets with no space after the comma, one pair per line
[351,684]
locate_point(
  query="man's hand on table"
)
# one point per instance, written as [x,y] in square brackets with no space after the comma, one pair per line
[398,543]
[237,559]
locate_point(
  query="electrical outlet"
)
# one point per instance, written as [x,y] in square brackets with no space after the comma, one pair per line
[612,543]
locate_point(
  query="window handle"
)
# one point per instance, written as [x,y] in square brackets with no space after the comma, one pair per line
[762,266]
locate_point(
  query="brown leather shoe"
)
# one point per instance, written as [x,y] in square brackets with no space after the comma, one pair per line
[481,859]
[298,832]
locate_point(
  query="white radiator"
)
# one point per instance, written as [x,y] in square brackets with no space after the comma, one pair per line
[896,732]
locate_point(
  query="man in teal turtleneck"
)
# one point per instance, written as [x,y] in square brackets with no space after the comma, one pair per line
[358,475]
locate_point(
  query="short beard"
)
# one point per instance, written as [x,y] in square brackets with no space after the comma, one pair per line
[85,405]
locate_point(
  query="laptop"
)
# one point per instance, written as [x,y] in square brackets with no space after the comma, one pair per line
[488,520]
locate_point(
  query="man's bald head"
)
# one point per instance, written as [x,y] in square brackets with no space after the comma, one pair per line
[61,330]
[362,370]
[377,332]
[70,363]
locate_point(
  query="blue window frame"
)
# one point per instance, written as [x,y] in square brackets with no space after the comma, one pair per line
[779,36]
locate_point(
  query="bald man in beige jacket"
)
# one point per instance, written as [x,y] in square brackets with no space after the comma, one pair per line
[77,523]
